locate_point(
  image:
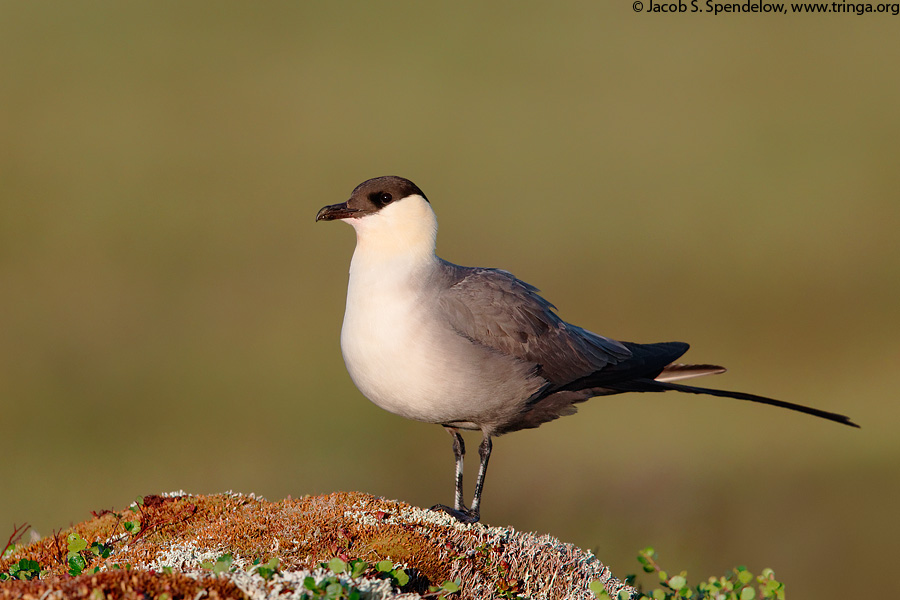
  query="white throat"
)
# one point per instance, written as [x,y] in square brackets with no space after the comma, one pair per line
[397,241]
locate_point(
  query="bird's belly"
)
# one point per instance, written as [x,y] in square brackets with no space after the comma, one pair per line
[400,360]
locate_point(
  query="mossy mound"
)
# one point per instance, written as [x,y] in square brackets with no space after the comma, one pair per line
[166,546]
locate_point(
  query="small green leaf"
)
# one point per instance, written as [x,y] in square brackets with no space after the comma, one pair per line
[223,564]
[357,568]
[132,527]
[748,593]
[384,566]
[744,576]
[76,565]
[337,565]
[101,550]
[677,582]
[400,577]
[453,586]
[267,570]
[596,586]
[75,543]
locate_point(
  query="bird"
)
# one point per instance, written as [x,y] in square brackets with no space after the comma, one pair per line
[472,348]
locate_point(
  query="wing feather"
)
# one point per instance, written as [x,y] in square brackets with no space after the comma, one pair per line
[492,308]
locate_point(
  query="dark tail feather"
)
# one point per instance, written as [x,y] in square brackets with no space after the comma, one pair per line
[649,385]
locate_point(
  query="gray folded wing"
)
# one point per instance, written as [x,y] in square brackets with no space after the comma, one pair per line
[492,308]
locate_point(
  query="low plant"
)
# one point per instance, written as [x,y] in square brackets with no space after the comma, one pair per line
[442,591]
[739,584]
[268,569]
[24,570]
[356,568]
[220,565]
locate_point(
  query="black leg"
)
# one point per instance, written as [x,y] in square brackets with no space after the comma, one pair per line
[459,452]
[484,451]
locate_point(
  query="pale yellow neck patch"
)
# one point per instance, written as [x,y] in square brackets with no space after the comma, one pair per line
[402,235]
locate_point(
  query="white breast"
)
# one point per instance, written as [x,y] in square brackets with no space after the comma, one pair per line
[388,354]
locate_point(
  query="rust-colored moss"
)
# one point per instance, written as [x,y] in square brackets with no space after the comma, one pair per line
[300,533]
[123,585]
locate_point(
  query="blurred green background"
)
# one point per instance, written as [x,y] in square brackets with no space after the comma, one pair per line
[170,313]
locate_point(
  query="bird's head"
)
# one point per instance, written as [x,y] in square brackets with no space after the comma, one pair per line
[390,215]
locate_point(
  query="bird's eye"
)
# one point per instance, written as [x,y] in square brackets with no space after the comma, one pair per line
[380,199]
